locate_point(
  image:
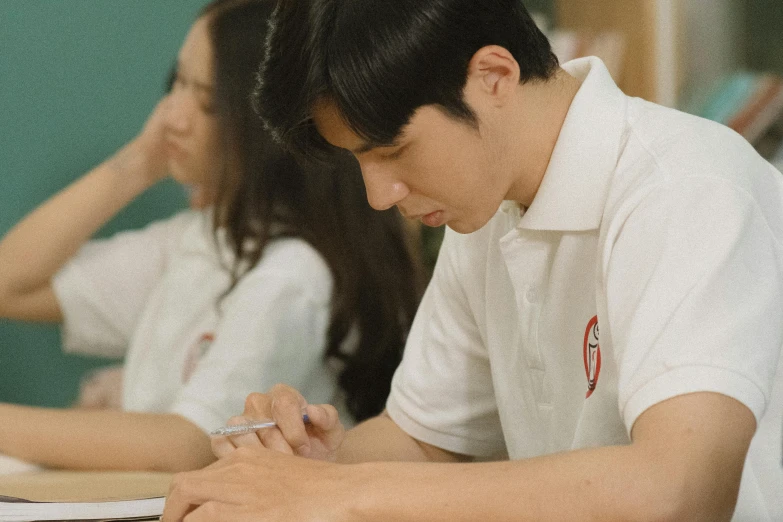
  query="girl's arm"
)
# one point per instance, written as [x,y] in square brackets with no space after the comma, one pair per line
[103,439]
[37,247]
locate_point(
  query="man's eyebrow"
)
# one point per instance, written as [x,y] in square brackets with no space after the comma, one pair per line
[367,146]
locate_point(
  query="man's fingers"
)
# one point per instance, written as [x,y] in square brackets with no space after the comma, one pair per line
[258,406]
[194,488]
[216,511]
[222,446]
[273,439]
[323,416]
[246,440]
[287,409]
[185,494]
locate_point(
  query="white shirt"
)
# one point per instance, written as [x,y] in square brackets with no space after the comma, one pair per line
[648,266]
[156,294]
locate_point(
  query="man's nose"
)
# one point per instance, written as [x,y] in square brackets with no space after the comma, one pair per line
[383,189]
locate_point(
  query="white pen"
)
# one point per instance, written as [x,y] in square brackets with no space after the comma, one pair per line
[248,427]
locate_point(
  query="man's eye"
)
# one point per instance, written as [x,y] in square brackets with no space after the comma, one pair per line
[393,154]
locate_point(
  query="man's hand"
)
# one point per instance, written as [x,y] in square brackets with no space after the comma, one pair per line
[250,485]
[319,439]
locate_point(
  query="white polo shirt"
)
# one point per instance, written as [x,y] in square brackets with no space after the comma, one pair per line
[156,295]
[648,266]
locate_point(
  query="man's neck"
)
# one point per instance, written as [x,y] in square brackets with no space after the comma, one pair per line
[540,116]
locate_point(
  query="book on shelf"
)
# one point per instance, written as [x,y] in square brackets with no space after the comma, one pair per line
[569,44]
[609,46]
[93,496]
[777,157]
[751,104]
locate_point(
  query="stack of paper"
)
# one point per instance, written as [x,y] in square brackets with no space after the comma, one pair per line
[66,495]
[19,510]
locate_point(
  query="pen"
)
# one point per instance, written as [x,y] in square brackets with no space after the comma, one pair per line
[248,427]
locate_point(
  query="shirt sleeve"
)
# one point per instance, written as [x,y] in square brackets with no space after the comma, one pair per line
[442,392]
[102,290]
[694,292]
[272,330]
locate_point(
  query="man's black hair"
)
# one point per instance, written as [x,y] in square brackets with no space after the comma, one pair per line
[378,61]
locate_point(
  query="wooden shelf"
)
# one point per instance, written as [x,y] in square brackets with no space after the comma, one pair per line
[651,32]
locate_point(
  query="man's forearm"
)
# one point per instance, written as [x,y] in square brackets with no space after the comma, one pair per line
[685,464]
[610,483]
[380,439]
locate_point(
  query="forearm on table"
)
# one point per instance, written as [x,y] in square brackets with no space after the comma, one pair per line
[380,439]
[34,250]
[612,483]
[685,463]
[102,439]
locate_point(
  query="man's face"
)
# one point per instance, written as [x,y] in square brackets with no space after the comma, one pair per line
[440,170]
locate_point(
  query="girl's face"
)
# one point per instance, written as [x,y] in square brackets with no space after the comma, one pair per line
[190,128]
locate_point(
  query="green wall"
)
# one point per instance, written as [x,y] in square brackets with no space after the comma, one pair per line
[77,80]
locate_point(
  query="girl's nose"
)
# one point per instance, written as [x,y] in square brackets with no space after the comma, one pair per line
[178,113]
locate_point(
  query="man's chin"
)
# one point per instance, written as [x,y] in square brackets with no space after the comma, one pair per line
[461,227]
[466,227]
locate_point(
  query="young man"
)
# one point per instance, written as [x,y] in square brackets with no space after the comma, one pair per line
[605,311]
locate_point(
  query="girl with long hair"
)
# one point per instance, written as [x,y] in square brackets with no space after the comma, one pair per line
[280,272]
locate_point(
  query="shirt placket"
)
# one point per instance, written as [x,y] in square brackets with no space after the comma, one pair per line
[526,256]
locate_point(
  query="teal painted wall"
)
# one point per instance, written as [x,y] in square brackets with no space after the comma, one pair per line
[77,80]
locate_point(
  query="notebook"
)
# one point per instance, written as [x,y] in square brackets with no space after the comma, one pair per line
[20,510]
[73,495]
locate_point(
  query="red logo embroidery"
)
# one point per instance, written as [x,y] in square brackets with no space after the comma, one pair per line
[592,355]
[194,355]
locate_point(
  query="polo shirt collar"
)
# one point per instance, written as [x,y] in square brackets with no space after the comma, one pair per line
[574,188]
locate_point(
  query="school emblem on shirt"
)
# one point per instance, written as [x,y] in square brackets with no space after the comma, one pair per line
[592,355]
[194,355]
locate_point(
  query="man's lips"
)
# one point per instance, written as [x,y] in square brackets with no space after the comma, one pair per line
[433,219]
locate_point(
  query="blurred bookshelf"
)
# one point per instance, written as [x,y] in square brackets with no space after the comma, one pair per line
[721,59]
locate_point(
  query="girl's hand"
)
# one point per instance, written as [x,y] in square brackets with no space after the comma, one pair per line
[101,389]
[319,439]
[145,156]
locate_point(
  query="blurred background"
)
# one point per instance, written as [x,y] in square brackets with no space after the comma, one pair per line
[77,80]
[79,77]
[720,59]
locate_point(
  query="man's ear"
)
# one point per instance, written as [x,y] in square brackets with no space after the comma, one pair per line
[493,72]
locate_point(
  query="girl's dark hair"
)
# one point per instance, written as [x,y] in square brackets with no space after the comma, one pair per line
[380,60]
[266,193]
